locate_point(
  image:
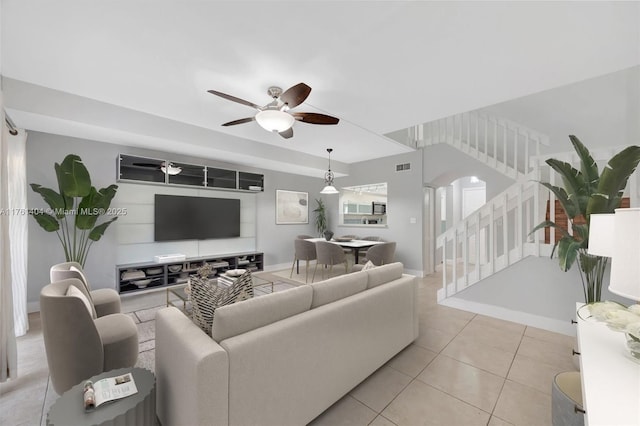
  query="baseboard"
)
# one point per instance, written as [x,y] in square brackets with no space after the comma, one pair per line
[550,324]
[33,307]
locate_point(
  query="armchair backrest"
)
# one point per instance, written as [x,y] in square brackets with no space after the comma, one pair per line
[382,254]
[305,250]
[72,343]
[329,253]
[66,270]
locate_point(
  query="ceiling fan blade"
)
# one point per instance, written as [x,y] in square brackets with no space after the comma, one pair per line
[234,99]
[240,121]
[287,134]
[295,95]
[315,118]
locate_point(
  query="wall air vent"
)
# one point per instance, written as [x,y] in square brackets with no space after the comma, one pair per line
[403,167]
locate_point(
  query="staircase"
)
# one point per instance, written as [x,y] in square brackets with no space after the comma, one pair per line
[499,143]
[497,235]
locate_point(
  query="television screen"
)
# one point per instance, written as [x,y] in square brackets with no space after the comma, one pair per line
[195,218]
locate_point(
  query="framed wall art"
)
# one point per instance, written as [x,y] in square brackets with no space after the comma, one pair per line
[292,207]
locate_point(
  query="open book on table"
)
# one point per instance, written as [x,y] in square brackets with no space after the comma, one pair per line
[108,389]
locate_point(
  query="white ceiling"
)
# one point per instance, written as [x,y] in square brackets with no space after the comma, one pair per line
[136,72]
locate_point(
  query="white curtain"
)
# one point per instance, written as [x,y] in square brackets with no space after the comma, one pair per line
[18,225]
[8,350]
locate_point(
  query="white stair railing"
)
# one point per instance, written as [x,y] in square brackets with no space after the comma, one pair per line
[502,144]
[497,235]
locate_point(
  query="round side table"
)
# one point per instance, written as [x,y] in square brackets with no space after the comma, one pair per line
[136,409]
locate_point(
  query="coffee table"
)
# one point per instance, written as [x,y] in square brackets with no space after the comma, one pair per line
[177,296]
[177,291]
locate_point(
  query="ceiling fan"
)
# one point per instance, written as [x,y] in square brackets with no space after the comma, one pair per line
[275,116]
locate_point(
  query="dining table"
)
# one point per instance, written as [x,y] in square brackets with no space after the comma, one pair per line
[355,245]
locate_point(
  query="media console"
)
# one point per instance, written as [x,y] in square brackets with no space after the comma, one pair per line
[133,278]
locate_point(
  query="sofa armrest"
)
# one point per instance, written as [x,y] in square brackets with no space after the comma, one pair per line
[192,373]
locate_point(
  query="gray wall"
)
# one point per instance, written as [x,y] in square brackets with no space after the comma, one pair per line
[43,150]
[535,285]
[404,205]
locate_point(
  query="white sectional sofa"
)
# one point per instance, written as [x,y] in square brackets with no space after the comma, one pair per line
[283,358]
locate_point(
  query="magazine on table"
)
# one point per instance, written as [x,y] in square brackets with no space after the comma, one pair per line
[109,389]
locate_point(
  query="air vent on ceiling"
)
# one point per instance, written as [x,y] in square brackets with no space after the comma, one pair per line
[403,167]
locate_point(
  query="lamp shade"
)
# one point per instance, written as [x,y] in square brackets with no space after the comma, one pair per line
[625,263]
[601,234]
[329,189]
[274,120]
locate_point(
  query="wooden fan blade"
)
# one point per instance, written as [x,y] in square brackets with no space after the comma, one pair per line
[287,133]
[234,99]
[295,95]
[240,121]
[315,118]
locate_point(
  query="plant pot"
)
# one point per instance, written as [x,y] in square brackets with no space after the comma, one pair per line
[328,235]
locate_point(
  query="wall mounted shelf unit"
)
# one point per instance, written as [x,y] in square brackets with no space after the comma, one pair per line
[132,168]
[134,278]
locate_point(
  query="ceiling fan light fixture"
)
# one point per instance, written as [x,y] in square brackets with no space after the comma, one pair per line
[274,120]
[170,169]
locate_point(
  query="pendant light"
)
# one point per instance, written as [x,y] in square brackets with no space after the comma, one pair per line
[328,178]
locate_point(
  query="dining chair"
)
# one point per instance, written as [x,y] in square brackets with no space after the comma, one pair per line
[381,254]
[329,254]
[363,253]
[304,250]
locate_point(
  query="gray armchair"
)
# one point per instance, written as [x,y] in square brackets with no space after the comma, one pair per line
[304,250]
[330,254]
[79,345]
[105,300]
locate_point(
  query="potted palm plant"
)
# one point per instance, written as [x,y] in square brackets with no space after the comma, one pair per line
[587,192]
[75,209]
[321,220]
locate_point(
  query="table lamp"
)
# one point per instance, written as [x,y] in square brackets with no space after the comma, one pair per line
[625,264]
[618,236]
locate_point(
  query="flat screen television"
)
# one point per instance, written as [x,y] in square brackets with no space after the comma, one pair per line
[180,217]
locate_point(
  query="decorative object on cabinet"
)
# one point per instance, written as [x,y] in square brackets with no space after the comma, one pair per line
[587,192]
[177,272]
[133,168]
[75,209]
[292,207]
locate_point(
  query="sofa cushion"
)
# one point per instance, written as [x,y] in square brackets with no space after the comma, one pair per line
[384,274]
[239,318]
[206,297]
[368,265]
[338,288]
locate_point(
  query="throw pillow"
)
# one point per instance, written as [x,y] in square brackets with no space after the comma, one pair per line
[74,291]
[368,265]
[206,297]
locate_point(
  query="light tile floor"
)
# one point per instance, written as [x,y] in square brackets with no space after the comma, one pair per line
[464,369]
